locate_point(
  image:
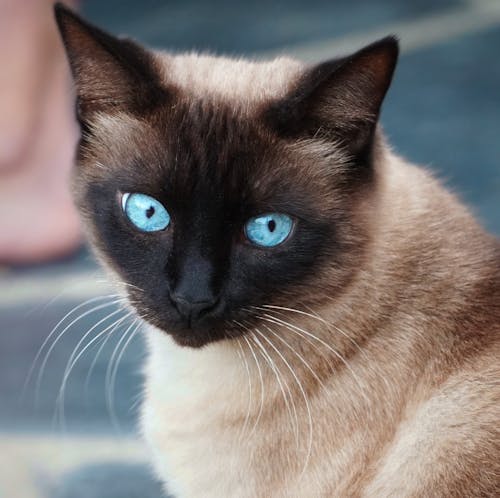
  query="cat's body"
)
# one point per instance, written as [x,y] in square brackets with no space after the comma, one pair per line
[359,357]
[415,413]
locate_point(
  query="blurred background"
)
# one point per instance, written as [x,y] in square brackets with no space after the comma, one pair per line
[68,404]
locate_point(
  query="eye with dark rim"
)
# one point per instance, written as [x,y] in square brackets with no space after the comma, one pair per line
[269,229]
[145,212]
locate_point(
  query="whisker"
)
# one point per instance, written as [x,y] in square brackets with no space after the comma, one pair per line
[316,347]
[89,331]
[69,368]
[136,399]
[58,338]
[294,328]
[314,315]
[249,405]
[111,361]
[261,378]
[52,332]
[299,356]
[132,286]
[110,388]
[345,334]
[103,341]
[281,382]
[306,401]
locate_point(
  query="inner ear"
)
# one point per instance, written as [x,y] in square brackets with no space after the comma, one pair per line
[109,72]
[340,99]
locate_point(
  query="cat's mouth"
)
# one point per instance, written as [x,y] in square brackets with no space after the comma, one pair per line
[196,329]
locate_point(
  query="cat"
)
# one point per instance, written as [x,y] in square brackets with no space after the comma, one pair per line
[322,316]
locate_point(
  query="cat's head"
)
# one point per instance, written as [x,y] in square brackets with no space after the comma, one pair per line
[213,187]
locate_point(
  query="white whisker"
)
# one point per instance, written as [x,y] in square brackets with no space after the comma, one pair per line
[103,341]
[296,329]
[304,395]
[58,338]
[345,334]
[314,315]
[69,368]
[52,332]
[316,346]
[89,331]
[299,356]
[136,399]
[292,410]
[110,388]
[261,378]
[111,361]
[249,405]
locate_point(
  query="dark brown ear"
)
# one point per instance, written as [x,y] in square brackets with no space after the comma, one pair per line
[340,99]
[109,72]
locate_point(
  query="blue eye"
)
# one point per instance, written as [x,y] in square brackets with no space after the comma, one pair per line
[268,230]
[145,212]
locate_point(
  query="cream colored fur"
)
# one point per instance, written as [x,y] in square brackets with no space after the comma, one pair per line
[386,384]
[236,80]
[400,421]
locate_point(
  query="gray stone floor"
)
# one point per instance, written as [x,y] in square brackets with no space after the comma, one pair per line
[442,111]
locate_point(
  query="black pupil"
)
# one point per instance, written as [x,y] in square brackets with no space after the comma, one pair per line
[271,225]
[150,211]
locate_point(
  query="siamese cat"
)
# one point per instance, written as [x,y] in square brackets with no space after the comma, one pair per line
[323,317]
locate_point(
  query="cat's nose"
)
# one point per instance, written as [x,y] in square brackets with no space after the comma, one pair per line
[193,310]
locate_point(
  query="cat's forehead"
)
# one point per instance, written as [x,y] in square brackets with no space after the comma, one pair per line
[235,80]
[208,150]
[213,104]
[208,138]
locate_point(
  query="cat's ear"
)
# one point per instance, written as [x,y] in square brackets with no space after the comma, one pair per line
[109,72]
[339,99]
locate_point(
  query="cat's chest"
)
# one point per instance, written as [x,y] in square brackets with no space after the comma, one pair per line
[211,436]
[189,452]
[191,420]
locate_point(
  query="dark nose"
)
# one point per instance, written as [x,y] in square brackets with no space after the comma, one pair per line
[193,310]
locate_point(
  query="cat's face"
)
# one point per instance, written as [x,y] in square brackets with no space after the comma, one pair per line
[211,207]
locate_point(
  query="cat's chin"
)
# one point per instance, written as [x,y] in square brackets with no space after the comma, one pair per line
[190,341]
[198,337]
